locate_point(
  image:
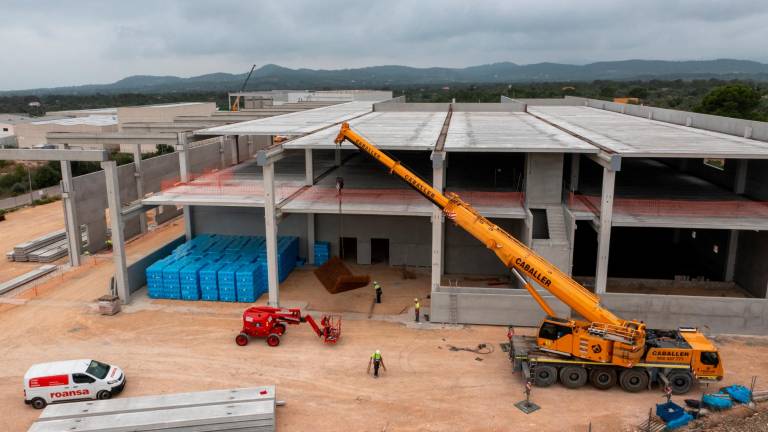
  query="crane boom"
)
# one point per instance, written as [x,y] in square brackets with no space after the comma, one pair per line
[513,253]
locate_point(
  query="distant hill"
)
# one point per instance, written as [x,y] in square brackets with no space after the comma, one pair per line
[271,76]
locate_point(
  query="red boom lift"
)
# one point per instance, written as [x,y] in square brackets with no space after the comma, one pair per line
[271,323]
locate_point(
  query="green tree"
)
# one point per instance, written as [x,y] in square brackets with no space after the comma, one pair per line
[733,100]
[638,92]
[45,176]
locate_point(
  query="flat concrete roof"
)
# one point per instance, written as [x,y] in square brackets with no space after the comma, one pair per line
[632,136]
[508,132]
[387,130]
[297,123]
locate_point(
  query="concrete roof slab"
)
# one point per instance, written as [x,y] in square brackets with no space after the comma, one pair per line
[509,132]
[386,130]
[632,136]
[296,123]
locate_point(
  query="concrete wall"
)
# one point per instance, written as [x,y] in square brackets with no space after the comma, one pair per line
[410,238]
[752,262]
[516,307]
[542,101]
[543,178]
[463,254]
[30,134]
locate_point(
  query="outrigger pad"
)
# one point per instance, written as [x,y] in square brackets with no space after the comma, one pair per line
[527,407]
[336,277]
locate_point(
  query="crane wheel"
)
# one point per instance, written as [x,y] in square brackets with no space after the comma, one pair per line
[634,380]
[273,340]
[573,376]
[241,339]
[544,375]
[680,382]
[602,378]
[279,328]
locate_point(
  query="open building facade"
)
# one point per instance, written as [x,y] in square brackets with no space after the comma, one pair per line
[662,213]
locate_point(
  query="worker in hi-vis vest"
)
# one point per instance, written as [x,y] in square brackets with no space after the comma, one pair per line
[376,360]
[377,290]
[417,308]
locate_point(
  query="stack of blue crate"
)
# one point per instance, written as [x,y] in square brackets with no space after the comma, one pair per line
[247,280]
[155,277]
[322,253]
[172,280]
[209,286]
[190,280]
[227,282]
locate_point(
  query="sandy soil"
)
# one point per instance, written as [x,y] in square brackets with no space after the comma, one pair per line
[173,346]
[24,225]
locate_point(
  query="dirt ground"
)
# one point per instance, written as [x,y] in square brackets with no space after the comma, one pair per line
[172,346]
[24,225]
[739,419]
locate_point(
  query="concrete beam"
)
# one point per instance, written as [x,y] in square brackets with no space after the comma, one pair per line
[269,156]
[604,234]
[117,224]
[610,161]
[72,225]
[730,263]
[110,138]
[54,155]
[270,230]
[309,177]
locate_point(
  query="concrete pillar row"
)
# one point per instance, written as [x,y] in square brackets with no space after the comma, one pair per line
[117,224]
[575,163]
[438,225]
[182,148]
[138,174]
[604,234]
[270,225]
[311,238]
[309,178]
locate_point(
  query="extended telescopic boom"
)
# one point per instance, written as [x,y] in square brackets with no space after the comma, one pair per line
[515,255]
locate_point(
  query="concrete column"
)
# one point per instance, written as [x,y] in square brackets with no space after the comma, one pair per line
[730,263]
[74,238]
[309,178]
[363,251]
[182,148]
[604,234]
[311,238]
[740,182]
[139,185]
[117,224]
[438,227]
[222,151]
[270,231]
[337,156]
[574,184]
[233,150]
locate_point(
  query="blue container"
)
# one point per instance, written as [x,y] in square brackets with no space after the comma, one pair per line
[155,277]
[739,393]
[190,280]
[209,286]
[246,282]
[227,282]
[669,411]
[683,420]
[717,401]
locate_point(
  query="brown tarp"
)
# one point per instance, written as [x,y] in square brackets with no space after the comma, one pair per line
[336,277]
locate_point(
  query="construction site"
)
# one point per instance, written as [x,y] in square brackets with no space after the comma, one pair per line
[512,245]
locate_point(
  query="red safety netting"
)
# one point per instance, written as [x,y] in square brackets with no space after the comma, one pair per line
[672,207]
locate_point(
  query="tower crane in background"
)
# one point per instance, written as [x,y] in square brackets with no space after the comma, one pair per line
[236,104]
[602,348]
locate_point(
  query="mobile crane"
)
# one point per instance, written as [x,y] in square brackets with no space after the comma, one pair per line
[602,348]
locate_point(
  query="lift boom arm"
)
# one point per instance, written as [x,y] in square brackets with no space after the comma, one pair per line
[515,255]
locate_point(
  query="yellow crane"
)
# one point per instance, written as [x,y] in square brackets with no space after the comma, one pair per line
[236,104]
[603,348]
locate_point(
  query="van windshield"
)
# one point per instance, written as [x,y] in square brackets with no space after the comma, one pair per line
[97,369]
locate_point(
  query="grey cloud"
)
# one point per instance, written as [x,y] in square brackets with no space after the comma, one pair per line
[67,43]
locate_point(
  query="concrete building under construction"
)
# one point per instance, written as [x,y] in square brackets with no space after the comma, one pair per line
[656,210]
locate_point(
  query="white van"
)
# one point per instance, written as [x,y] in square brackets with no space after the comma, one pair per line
[71,380]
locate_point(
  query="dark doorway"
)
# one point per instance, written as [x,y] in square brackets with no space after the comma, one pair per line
[379,250]
[540,224]
[348,250]
[585,250]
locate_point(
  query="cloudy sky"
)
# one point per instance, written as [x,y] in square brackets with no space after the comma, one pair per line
[50,43]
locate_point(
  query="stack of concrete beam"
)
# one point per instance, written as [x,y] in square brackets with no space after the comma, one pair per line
[44,249]
[244,409]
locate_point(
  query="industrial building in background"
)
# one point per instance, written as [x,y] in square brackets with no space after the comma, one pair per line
[662,213]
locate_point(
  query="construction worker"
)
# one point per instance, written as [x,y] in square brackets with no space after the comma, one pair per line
[417,308]
[376,360]
[377,288]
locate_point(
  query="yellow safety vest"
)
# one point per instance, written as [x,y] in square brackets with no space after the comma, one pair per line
[376,356]
[418,305]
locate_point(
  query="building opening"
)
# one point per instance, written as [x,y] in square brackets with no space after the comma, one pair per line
[348,249]
[379,250]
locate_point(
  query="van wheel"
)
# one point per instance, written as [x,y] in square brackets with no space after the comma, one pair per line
[38,403]
[104,394]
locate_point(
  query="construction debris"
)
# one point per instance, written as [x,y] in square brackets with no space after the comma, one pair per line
[251,409]
[26,277]
[336,277]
